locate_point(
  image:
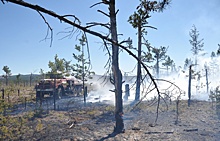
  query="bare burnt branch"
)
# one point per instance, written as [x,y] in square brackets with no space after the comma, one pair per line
[103,13]
[69,33]
[106,78]
[153,102]
[164,99]
[180,91]
[148,26]
[95,4]
[148,91]
[91,24]
[106,2]
[75,18]
[124,41]
[158,106]
[103,2]
[108,64]
[106,47]
[117,12]
[72,32]
[160,96]
[178,97]
[112,81]
[49,29]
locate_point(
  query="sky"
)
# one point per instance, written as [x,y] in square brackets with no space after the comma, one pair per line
[22,32]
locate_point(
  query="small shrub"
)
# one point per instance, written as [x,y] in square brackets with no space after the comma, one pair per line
[39,126]
[215,97]
[39,112]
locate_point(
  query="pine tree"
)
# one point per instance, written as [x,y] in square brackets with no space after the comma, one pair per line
[7,74]
[57,67]
[197,45]
[168,63]
[81,69]
[159,54]
[139,21]
[218,51]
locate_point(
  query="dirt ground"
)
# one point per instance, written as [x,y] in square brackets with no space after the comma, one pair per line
[95,122]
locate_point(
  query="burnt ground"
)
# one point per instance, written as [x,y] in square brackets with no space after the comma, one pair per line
[95,122]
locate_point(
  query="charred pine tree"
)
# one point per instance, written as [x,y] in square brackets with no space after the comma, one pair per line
[168,62]
[7,74]
[189,87]
[159,54]
[31,78]
[117,76]
[139,21]
[207,80]
[3,94]
[18,79]
[138,83]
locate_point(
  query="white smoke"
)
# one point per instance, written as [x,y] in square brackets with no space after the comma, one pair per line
[102,93]
[101,90]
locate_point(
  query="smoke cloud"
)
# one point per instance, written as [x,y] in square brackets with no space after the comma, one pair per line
[102,91]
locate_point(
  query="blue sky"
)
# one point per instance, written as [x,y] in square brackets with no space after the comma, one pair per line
[22,29]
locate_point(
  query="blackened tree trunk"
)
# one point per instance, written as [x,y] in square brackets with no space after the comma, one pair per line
[116,71]
[83,74]
[31,77]
[139,20]
[159,55]
[207,81]
[138,83]
[189,87]
[127,92]
[157,65]
[6,80]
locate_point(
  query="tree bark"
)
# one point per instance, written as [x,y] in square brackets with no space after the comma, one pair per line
[116,71]
[83,76]
[207,81]
[138,81]
[31,77]
[157,64]
[6,80]
[127,92]
[189,87]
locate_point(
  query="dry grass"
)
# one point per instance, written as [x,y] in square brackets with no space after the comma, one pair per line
[95,121]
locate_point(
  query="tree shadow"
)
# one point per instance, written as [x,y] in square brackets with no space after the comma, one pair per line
[107,117]
[112,135]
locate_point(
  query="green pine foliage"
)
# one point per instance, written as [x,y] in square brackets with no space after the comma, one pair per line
[59,68]
[81,67]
